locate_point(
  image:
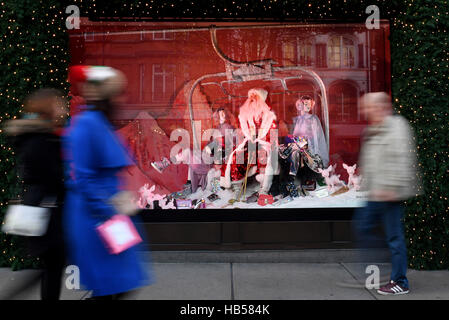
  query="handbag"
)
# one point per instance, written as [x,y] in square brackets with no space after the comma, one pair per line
[265,199]
[118,233]
[23,220]
[183,204]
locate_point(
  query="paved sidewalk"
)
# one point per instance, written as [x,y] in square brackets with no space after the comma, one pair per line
[259,281]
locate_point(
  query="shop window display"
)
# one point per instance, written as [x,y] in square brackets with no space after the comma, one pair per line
[341,52]
[240,115]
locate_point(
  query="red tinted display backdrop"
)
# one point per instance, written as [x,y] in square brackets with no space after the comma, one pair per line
[162,62]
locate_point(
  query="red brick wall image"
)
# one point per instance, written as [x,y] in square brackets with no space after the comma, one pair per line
[162,61]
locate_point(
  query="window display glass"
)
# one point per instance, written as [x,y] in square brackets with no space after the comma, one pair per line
[240,115]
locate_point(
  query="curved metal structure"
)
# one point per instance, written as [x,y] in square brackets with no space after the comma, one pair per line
[324,101]
[256,70]
[196,143]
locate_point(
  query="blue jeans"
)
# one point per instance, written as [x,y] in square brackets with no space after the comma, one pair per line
[390,214]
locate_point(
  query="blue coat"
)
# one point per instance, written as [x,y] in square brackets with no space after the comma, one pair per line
[95,155]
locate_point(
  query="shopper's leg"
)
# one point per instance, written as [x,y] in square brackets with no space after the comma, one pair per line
[394,232]
[116,296]
[365,221]
[54,262]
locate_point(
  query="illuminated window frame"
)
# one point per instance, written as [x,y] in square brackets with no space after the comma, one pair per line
[343,61]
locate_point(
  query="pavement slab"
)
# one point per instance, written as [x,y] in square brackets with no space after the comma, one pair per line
[11,280]
[294,281]
[424,285]
[188,281]
[254,281]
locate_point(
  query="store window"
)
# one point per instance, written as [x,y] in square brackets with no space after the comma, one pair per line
[289,53]
[163,80]
[297,51]
[163,35]
[305,77]
[89,36]
[305,52]
[341,52]
[343,97]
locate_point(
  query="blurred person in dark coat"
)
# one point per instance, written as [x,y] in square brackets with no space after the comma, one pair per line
[37,143]
[389,175]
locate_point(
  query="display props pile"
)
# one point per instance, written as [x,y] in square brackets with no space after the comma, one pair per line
[190,204]
[175,200]
[170,204]
[147,197]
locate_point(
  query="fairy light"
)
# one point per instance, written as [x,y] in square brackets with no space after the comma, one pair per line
[19,43]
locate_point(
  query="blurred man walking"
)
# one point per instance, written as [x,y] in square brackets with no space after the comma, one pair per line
[388,165]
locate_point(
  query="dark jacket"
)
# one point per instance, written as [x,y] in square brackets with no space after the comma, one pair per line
[40,167]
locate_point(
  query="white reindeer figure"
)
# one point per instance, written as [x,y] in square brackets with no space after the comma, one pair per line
[353,180]
[147,196]
[333,180]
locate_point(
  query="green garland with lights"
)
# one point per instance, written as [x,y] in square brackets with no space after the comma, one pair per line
[420,89]
[34,53]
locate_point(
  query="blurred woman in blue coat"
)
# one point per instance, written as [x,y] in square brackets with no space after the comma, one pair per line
[95,156]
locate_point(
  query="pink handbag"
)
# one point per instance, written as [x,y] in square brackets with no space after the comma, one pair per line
[119,234]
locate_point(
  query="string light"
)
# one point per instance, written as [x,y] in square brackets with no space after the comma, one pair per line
[26,71]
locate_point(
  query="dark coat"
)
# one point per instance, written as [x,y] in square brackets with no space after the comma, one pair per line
[40,167]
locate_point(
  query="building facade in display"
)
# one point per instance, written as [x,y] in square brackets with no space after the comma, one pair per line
[162,61]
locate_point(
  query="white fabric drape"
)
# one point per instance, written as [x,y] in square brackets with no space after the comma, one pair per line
[309,127]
